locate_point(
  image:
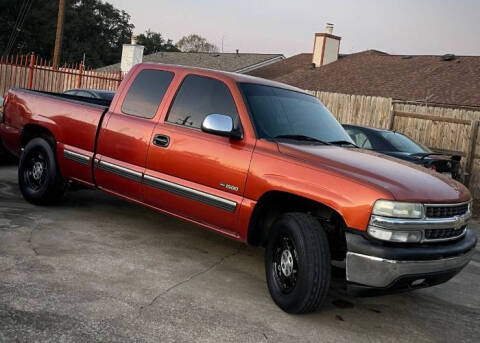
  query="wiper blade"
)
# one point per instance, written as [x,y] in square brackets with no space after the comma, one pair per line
[423,155]
[302,138]
[343,142]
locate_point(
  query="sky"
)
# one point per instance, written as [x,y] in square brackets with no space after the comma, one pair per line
[420,27]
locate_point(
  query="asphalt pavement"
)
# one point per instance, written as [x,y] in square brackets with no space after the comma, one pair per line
[97,268]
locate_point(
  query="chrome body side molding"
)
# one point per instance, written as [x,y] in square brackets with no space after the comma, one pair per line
[76,157]
[171,187]
[121,171]
[190,193]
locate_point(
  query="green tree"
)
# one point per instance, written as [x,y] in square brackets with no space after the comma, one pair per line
[196,43]
[154,42]
[92,27]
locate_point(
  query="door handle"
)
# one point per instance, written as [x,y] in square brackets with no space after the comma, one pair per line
[161,140]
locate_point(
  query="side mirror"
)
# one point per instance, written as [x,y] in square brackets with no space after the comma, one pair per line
[221,125]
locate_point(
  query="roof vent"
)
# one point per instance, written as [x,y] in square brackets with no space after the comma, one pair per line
[448,57]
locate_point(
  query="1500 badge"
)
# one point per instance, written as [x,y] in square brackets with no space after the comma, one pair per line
[230,187]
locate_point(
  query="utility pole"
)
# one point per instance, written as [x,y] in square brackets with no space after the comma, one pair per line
[59,36]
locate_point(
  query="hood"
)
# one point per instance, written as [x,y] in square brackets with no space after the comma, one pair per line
[405,181]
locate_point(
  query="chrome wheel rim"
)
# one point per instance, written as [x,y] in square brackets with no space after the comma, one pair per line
[285,263]
[35,170]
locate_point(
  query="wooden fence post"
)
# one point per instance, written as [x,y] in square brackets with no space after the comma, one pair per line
[120,77]
[80,69]
[31,68]
[392,118]
[471,151]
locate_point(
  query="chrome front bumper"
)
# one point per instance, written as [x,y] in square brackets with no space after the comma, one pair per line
[385,265]
[380,272]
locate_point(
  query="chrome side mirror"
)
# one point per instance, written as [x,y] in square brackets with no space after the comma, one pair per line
[221,125]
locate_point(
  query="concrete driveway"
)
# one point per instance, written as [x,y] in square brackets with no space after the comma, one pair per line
[101,269]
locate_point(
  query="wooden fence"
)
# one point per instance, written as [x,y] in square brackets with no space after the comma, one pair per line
[442,128]
[33,72]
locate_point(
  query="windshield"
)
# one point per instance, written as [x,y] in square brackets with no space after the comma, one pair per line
[403,143]
[279,112]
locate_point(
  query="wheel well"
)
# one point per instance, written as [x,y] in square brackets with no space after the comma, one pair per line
[31,131]
[273,204]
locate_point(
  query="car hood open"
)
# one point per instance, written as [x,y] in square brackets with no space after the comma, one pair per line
[405,181]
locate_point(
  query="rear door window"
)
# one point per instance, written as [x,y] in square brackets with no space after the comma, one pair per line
[198,97]
[146,93]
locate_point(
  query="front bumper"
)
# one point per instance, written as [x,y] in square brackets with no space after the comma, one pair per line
[385,266]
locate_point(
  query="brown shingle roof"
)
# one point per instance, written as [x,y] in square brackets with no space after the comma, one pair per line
[412,78]
[220,61]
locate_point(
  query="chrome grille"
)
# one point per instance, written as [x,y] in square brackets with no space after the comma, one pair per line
[434,234]
[445,211]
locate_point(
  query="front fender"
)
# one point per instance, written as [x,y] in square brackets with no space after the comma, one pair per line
[349,198]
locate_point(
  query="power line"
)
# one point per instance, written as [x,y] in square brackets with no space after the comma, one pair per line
[19,24]
[20,14]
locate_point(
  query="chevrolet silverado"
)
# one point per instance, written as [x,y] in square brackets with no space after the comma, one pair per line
[254,160]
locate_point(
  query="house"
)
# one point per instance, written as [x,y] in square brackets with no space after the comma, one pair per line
[433,99]
[233,62]
[447,79]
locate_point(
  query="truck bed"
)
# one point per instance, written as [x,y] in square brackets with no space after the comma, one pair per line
[73,120]
[75,98]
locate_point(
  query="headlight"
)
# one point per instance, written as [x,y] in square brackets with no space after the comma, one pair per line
[396,209]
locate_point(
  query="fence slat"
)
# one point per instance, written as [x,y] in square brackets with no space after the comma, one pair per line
[34,72]
[471,151]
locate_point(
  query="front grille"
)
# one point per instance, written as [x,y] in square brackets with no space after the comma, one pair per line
[444,233]
[446,211]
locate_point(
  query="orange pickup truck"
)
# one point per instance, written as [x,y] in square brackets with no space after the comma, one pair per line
[254,160]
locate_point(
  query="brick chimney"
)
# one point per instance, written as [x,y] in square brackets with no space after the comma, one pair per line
[131,54]
[326,47]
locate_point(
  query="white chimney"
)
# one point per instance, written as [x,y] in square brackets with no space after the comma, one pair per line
[326,47]
[131,54]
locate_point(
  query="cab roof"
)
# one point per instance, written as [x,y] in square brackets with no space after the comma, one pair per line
[240,78]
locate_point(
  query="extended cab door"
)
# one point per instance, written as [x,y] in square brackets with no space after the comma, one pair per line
[196,174]
[125,134]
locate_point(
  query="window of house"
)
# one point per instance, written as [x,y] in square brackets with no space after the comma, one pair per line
[146,93]
[198,97]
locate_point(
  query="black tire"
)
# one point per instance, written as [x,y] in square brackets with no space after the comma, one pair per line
[306,288]
[39,178]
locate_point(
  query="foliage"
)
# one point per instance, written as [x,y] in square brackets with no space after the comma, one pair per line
[92,27]
[154,42]
[195,43]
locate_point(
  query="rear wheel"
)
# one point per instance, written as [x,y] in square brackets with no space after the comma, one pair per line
[38,174]
[297,263]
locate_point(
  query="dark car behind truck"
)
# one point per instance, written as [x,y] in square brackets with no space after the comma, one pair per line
[400,146]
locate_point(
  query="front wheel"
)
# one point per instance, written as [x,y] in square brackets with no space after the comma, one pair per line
[297,263]
[38,174]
